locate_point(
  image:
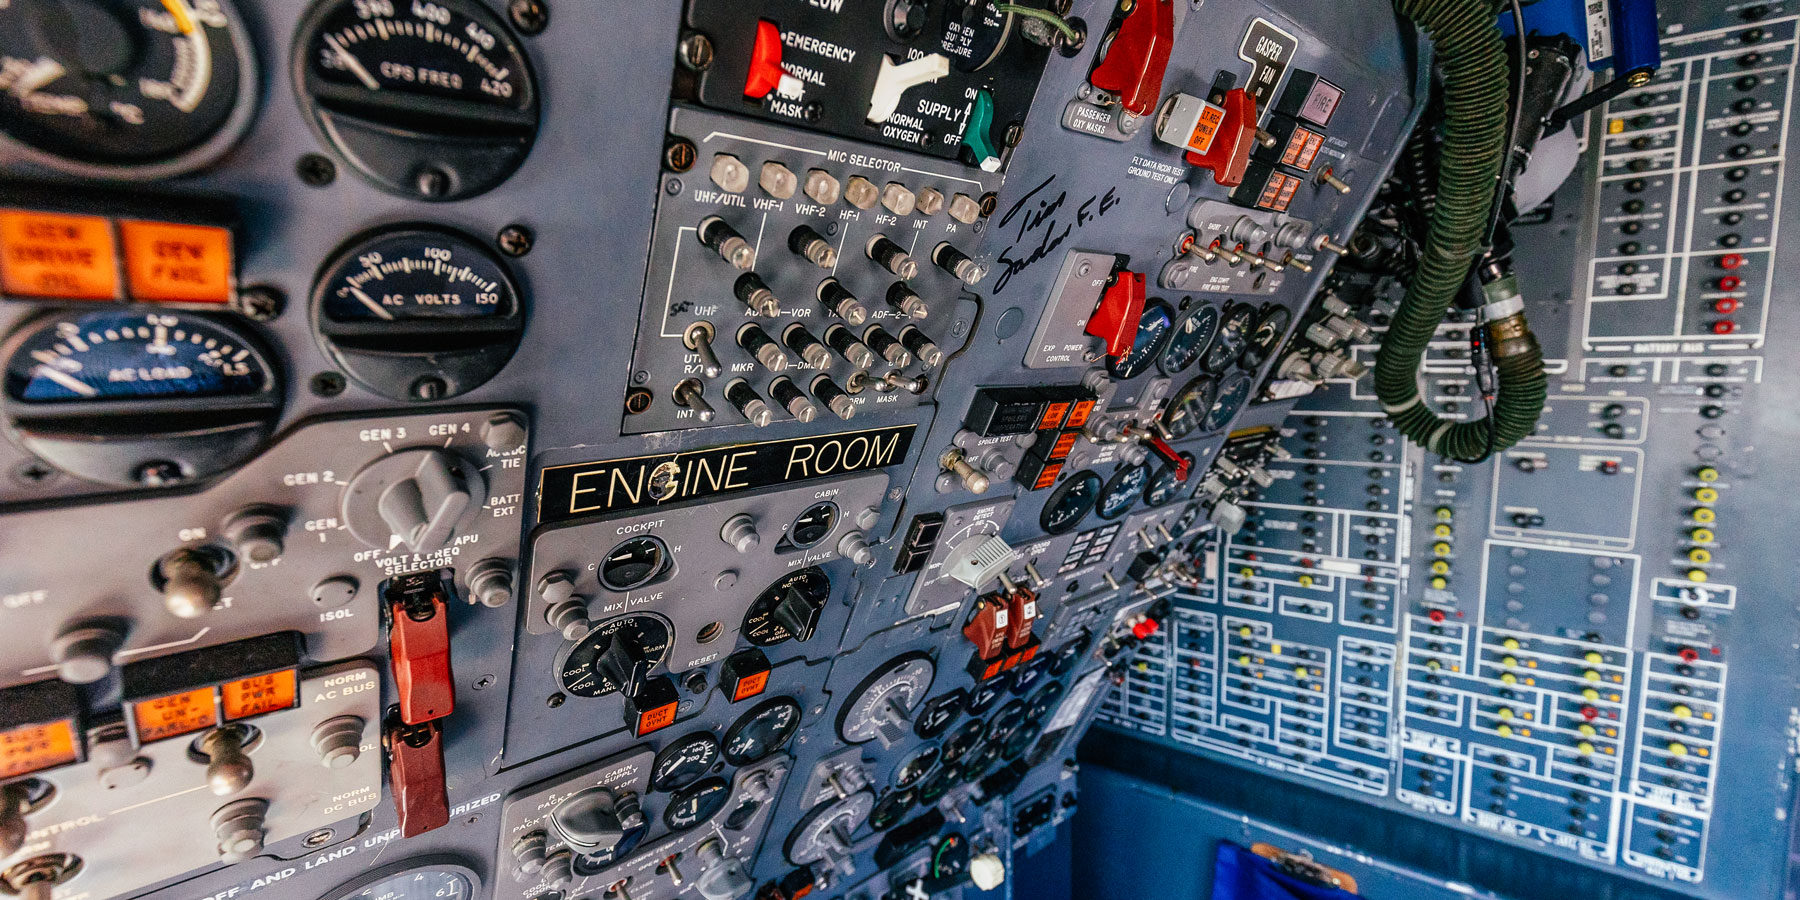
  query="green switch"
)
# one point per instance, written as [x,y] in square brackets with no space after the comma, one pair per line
[975,136]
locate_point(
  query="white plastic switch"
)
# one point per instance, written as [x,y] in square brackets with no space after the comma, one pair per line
[987,871]
[894,79]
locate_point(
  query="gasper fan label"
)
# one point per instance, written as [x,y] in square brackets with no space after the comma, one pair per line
[580,490]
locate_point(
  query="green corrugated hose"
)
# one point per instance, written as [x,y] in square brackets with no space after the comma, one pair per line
[1470,53]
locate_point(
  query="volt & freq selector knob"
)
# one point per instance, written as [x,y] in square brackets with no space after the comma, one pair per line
[417,312]
[417,497]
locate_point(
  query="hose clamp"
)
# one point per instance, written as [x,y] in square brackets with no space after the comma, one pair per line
[1500,309]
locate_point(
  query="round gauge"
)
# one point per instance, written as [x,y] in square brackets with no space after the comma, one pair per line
[1027,676]
[615,655]
[788,610]
[950,859]
[634,563]
[977,763]
[1164,486]
[1189,339]
[880,705]
[1188,409]
[432,878]
[937,714]
[199,395]
[983,696]
[1006,721]
[1270,328]
[124,88]
[432,99]
[1234,331]
[1123,491]
[1038,708]
[1232,394]
[939,784]
[684,761]
[1016,745]
[962,740]
[1068,655]
[763,730]
[815,837]
[1152,336]
[891,808]
[974,33]
[1070,503]
[813,525]
[916,766]
[417,313]
[696,803]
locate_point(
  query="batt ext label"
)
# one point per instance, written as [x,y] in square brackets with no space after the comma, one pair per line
[611,486]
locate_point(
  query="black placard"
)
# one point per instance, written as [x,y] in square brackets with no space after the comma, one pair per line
[605,487]
[1269,51]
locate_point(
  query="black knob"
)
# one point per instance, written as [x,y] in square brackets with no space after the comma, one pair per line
[798,612]
[624,662]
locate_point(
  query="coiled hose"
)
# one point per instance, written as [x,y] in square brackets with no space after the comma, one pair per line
[1465,37]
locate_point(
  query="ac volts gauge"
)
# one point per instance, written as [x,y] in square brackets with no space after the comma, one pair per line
[138,399]
[417,313]
[431,99]
[124,88]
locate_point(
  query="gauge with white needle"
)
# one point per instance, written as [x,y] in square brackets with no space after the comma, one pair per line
[417,313]
[123,88]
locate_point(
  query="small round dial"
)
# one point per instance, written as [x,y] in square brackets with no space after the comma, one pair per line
[635,562]
[1069,655]
[916,766]
[979,760]
[938,713]
[1122,492]
[1234,332]
[813,525]
[431,99]
[615,655]
[696,803]
[885,699]
[950,858]
[1164,486]
[974,33]
[1006,721]
[417,313]
[891,808]
[1232,394]
[1188,408]
[124,88]
[1070,503]
[763,730]
[200,395]
[983,696]
[1192,333]
[1027,676]
[1016,744]
[939,783]
[684,761]
[1152,336]
[962,740]
[1043,701]
[788,609]
[1270,327]
[420,879]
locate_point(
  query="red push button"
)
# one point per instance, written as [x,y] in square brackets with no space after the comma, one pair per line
[1725,305]
[1724,326]
[1730,261]
[1730,283]
[1115,319]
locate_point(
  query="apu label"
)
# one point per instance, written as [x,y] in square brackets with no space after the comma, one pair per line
[611,486]
[1269,51]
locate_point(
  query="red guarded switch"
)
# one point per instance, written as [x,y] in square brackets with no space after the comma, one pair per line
[765,61]
[1115,319]
[1138,56]
[419,645]
[416,775]
[1022,614]
[1181,464]
[1229,154]
[987,628]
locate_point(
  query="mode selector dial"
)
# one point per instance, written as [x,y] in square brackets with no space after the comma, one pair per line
[625,663]
[417,498]
[599,823]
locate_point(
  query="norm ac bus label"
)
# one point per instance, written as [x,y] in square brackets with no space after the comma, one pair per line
[619,485]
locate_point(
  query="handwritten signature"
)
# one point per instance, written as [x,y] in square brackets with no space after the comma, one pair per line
[1044,228]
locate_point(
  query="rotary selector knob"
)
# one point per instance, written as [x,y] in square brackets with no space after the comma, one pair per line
[625,663]
[823,835]
[413,497]
[721,876]
[798,612]
[880,708]
[598,822]
[987,871]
